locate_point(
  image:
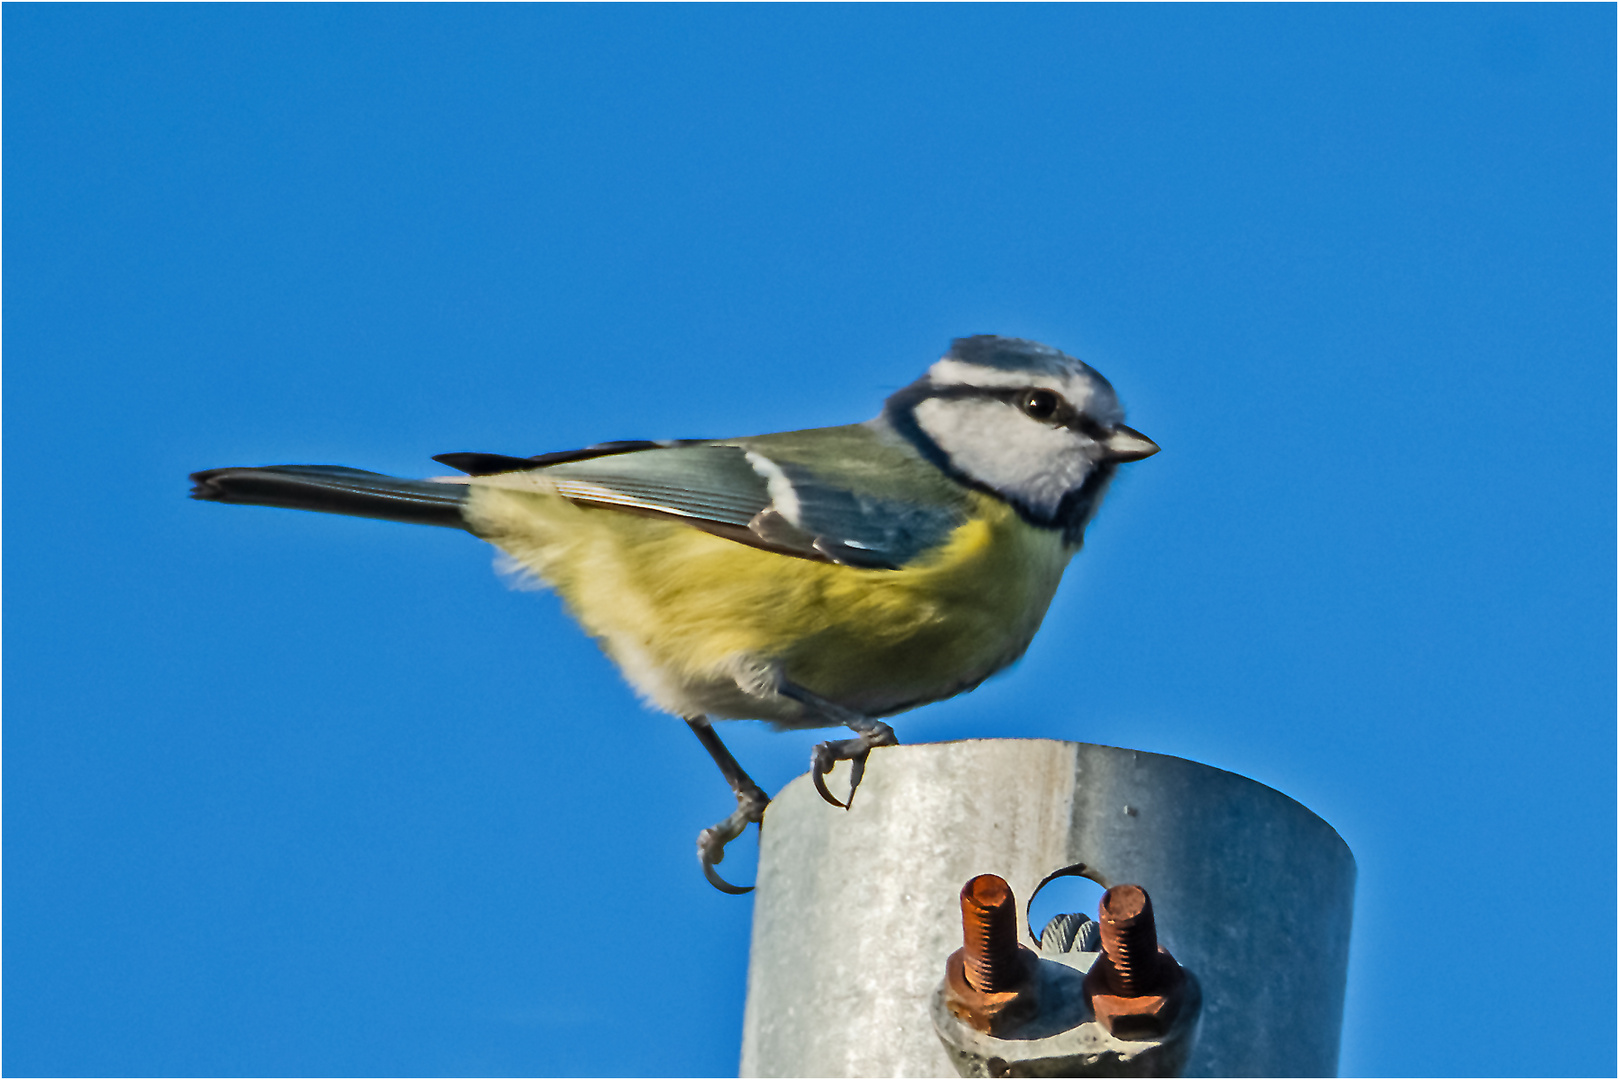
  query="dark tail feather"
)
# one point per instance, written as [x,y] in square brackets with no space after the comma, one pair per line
[335,490]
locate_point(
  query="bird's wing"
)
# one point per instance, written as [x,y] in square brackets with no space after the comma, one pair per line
[488,464]
[739,491]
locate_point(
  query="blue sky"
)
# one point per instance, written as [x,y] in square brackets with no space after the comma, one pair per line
[289,794]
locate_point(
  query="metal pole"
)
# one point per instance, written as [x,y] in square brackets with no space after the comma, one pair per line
[856,911]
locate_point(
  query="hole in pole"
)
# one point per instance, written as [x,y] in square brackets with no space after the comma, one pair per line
[1059,896]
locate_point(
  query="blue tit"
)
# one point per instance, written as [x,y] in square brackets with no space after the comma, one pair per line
[809,578]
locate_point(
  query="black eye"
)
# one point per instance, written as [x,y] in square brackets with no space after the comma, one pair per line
[1039,404]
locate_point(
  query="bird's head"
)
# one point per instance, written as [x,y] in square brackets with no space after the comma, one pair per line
[1023,421]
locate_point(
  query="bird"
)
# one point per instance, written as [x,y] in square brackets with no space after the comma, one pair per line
[829,577]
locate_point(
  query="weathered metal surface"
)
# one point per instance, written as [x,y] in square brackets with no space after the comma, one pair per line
[856,911]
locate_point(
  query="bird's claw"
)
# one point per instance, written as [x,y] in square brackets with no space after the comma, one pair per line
[750,808]
[855,751]
[827,755]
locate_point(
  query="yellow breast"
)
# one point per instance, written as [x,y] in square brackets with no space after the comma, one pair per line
[685,613]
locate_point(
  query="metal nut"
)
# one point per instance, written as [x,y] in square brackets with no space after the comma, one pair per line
[1144,1016]
[993,1012]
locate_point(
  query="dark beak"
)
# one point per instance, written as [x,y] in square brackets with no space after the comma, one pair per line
[1128,444]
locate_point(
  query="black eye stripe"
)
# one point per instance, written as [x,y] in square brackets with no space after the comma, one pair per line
[1065,414]
[1088,427]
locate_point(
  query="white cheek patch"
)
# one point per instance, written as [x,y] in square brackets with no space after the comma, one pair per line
[996,445]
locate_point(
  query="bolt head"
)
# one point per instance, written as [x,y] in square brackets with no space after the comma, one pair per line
[1145,1016]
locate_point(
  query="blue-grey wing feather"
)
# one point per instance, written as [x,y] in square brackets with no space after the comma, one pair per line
[863,529]
[728,490]
[712,483]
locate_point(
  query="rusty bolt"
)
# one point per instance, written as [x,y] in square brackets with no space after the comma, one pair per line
[1135,987]
[987,981]
[1130,940]
[989,926]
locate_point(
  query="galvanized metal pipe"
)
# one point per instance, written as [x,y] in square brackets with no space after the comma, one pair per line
[856,911]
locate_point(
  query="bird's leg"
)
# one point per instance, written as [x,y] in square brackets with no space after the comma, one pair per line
[750,806]
[869,732]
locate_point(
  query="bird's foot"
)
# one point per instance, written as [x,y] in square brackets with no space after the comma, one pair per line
[854,751]
[750,808]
